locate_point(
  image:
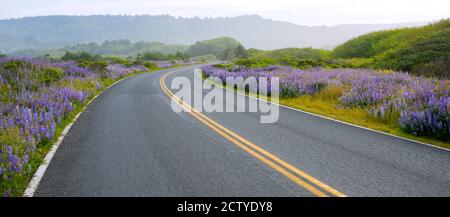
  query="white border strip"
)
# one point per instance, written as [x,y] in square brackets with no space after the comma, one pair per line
[34,183]
[331,119]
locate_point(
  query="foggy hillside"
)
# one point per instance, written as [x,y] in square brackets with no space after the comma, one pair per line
[253,31]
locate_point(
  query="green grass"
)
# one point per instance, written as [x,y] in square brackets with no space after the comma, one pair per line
[325,103]
[420,50]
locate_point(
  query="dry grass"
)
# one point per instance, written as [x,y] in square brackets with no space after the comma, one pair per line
[326,103]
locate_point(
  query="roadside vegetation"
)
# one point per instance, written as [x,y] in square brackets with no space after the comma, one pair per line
[302,58]
[39,97]
[223,48]
[394,81]
[393,102]
[419,51]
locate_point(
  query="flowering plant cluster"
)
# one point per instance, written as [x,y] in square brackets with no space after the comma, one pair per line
[36,96]
[421,106]
[163,63]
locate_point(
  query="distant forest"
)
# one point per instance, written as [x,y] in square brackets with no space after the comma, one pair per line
[121,47]
[222,48]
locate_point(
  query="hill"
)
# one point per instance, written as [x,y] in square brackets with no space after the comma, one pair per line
[52,32]
[421,50]
[223,48]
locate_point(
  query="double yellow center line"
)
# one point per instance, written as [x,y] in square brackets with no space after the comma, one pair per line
[301,178]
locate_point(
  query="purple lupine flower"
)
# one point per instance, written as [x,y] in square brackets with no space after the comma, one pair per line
[6,194]
[422,105]
[34,107]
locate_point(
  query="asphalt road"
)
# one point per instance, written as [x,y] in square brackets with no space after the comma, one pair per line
[129,142]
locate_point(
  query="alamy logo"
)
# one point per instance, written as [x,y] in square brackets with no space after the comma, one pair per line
[210,95]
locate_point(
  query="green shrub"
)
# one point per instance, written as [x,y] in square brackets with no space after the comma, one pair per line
[223,48]
[50,75]
[80,56]
[15,65]
[302,58]
[150,65]
[99,66]
[120,60]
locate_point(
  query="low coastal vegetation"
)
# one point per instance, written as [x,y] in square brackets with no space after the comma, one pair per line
[223,48]
[419,51]
[394,81]
[38,98]
[394,102]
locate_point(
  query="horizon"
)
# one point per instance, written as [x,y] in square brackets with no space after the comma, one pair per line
[308,13]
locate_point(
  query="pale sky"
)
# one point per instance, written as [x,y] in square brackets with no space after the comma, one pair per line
[305,12]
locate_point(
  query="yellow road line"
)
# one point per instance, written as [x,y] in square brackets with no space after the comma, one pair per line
[245,144]
[260,157]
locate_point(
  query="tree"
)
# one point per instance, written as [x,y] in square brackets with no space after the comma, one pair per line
[180,55]
[227,54]
[80,56]
[240,52]
[146,56]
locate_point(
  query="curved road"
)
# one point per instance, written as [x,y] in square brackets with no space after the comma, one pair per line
[129,142]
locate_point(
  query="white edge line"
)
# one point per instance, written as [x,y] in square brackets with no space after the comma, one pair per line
[34,183]
[331,119]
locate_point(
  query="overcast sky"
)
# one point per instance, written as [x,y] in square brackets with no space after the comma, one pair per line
[307,12]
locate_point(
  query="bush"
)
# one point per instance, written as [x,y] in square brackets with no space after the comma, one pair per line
[150,65]
[80,56]
[439,67]
[120,60]
[223,48]
[97,66]
[15,65]
[50,75]
[302,58]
